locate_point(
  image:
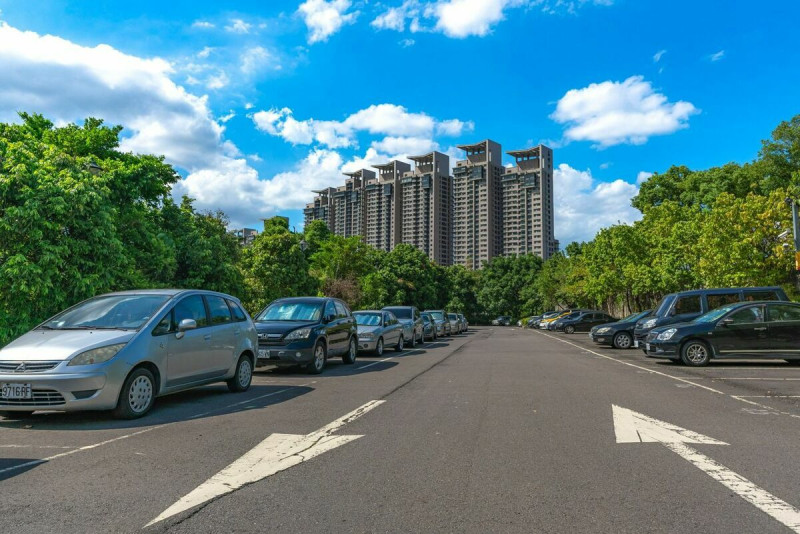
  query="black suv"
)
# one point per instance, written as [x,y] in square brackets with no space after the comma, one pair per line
[687,305]
[305,331]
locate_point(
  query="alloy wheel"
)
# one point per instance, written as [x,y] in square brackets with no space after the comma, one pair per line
[319,357]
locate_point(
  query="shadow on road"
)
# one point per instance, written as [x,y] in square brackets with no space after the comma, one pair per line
[208,401]
[15,466]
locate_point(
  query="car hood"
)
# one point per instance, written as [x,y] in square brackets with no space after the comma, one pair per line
[281,327]
[683,327]
[364,329]
[405,321]
[45,345]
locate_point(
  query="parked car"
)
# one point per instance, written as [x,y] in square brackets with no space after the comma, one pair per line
[464,323]
[688,305]
[767,329]
[412,322]
[533,322]
[569,314]
[545,323]
[378,329]
[583,321]
[503,320]
[429,327]
[455,323]
[440,316]
[306,331]
[120,351]
[618,334]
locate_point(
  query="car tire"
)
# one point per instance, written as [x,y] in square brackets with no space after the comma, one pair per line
[137,395]
[569,329]
[349,357]
[320,358]
[8,414]
[413,339]
[622,340]
[240,382]
[400,344]
[379,347]
[695,353]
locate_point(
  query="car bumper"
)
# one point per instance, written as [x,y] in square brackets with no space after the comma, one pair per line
[297,352]
[660,350]
[367,345]
[603,339]
[95,390]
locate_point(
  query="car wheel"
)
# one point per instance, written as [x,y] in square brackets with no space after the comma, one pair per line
[400,344]
[379,347]
[349,357]
[316,365]
[622,340]
[243,377]
[695,353]
[569,329]
[137,395]
[7,414]
[413,339]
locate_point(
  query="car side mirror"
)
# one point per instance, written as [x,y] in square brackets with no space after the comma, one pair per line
[328,318]
[184,325]
[726,322]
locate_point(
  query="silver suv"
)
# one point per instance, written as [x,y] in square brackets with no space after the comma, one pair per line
[120,351]
[411,319]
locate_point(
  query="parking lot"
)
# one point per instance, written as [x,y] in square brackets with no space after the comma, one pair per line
[501,429]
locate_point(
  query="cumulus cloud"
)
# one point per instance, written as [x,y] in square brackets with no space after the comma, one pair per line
[405,146]
[584,205]
[257,58]
[611,113]
[238,26]
[642,177]
[202,24]
[465,18]
[381,119]
[324,18]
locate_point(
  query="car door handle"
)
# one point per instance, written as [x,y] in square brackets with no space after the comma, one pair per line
[207,337]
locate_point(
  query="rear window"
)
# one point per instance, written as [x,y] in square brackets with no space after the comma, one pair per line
[721,299]
[238,313]
[784,312]
[761,295]
[690,304]
[401,313]
[220,312]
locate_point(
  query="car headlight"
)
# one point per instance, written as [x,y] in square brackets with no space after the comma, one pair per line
[650,323]
[98,355]
[366,336]
[603,330]
[300,333]
[667,334]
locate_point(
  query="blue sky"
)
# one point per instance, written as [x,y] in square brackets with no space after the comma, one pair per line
[259,104]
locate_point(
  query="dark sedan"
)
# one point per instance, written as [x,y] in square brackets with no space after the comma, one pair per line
[741,330]
[583,321]
[619,334]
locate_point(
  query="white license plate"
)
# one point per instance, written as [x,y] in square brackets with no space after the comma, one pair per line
[647,346]
[16,391]
[263,353]
[635,344]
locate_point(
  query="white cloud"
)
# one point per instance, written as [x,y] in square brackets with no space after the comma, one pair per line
[380,119]
[658,55]
[405,146]
[605,165]
[217,81]
[392,19]
[256,59]
[610,113]
[229,116]
[405,43]
[717,55]
[583,205]
[324,18]
[642,177]
[462,18]
[202,24]
[238,26]
[205,52]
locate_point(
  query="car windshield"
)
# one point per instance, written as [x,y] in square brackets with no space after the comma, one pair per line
[113,312]
[713,315]
[664,305]
[367,319]
[452,316]
[635,316]
[439,316]
[291,311]
[426,319]
[400,313]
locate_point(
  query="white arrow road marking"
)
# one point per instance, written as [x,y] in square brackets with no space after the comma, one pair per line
[633,427]
[276,453]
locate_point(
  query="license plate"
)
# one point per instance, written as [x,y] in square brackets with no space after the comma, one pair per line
[16,391]
[647,346]
[635,344]
[263,353]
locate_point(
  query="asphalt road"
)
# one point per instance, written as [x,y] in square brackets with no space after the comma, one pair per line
[498,430]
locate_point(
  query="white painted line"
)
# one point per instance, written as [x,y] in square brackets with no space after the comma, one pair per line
[769,396]
[760,498]
[39,446]
[633,427]
[375,363]
[276,453]
[759,378]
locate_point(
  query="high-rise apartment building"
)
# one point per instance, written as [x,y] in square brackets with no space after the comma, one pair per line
[528,203]
[321,208]
[348,205]
[383,205]
[427,200]
[478,205]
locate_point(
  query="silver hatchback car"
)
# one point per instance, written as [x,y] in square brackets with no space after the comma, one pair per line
[120,351]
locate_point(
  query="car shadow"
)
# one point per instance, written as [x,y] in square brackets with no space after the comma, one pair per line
[199,403]
[11,467]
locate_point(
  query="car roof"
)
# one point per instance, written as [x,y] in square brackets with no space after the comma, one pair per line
[368,311]
[397,307]
[169,292]
[723,290]
[303,299]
